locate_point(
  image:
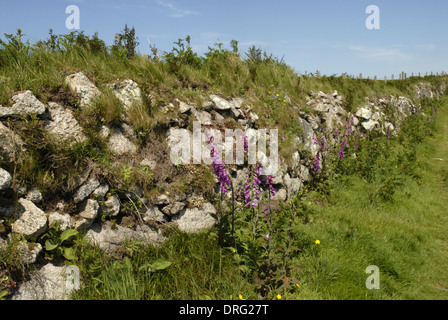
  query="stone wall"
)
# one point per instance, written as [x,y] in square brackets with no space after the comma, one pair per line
[96,204]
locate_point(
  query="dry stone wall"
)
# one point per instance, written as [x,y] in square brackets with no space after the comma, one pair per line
[93,198]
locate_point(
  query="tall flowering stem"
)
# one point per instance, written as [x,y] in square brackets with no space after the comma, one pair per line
[219,169]
[317,161]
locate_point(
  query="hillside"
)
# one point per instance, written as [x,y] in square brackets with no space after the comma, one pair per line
[88,178]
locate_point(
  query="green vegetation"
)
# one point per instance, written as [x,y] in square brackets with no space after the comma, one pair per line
[358,221]
[384,207]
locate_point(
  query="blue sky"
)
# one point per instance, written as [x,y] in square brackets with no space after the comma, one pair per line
[325,35]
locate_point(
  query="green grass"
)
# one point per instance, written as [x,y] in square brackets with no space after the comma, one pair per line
[406,237]
[199,269]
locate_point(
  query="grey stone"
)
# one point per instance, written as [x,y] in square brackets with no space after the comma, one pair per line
[235,113]
[32,221]
[62,124]
[388,125]
[109,239]
[173,208]
[308,135]
[369,125]
[154,214]
[11,145]
[3,244]
[162,199]
[237,102]
[322,107]
[364,113]
[112,206]
[277,179]
[292,185]
[216,116]
[253,116]
[127,129]
[5,179]
[63,220]
[120,145]
[24,103]
[281,195]
[85,190]
[34,195]
[304,174]
[48,283]
[242,122]
[127,92]
[196,219]
[376,116]
[101,191]
[183,107]
[146,162]
[220,103]
[28,252]
[104,132]
[85,90]
[203,117]
[89,209]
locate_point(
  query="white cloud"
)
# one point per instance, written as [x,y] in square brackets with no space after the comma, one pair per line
[175,12]
[380,54]
[256,43]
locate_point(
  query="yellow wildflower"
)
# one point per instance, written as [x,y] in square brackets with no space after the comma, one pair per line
[241,297]
[317,242]
[277,95]
[279,297]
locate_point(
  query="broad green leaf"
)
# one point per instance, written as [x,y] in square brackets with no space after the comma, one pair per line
[69,254]
[49,245]
[160,264]
[3,294]
[67,234]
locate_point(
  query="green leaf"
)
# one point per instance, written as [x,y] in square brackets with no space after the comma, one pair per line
[67,234]
[3,294]
[49,245]
[244,268]
[69,254]
[160,264]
